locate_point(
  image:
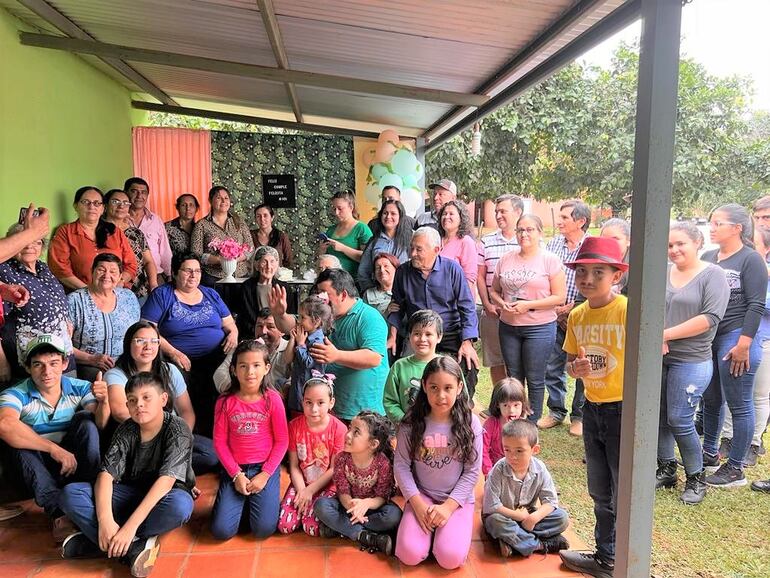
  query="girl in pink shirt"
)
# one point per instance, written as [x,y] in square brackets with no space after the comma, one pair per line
[509,402]
[250,438]
[529,284]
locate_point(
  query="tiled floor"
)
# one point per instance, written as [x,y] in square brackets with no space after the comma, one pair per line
[27,550]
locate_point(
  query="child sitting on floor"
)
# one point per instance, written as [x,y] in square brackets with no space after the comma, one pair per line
[521,507]
[437,465]
[425,331]
[508,402]
[315,440]
[250,438]
[144,488]
[363,474]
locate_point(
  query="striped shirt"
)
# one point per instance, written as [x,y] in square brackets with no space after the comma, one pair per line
[493,247]
[558,246]
[50,422]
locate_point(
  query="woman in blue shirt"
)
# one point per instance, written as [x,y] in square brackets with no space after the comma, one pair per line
[392,234]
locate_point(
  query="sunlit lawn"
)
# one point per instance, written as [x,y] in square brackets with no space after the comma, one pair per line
[727,536]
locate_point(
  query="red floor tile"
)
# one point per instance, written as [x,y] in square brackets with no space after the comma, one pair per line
[22,544]
[284,563]
[18,570]
[169,566]
[74,569]
[295,540]
[348,561]
[205,542]
[181,540]
[485,561]
[209,565]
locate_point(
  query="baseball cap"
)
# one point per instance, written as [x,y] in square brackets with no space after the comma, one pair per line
[444,184]
[45,340]
[599,250]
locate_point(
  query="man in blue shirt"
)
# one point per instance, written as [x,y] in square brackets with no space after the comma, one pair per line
[53,441]
[430,281]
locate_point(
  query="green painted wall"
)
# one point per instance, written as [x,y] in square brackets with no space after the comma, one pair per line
[63,124]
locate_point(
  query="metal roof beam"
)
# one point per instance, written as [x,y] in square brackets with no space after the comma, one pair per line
[67,26]
[232,117]
[267,11]
[609,25]
[329,81]
[569,18]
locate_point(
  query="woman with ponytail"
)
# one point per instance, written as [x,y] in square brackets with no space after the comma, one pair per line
[736,353]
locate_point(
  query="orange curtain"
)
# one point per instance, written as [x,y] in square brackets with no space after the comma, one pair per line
[173,161]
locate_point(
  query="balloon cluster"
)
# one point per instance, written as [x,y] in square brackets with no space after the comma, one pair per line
[393,163]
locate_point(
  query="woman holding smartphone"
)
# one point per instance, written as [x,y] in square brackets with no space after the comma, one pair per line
[347,239]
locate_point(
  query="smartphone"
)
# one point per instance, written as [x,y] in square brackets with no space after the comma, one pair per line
[23,214]
[322,237]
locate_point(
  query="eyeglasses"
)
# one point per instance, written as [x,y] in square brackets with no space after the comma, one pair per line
[142,341]
[87,203]
[119,203]
[527,230]
[187,271]
[717,224]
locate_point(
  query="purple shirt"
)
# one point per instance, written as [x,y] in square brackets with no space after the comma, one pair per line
[154,230]
[437,473]
[445,291]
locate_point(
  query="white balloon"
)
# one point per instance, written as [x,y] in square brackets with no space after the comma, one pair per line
[372,194]
[413,200]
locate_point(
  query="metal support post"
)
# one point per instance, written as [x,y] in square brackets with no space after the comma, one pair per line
[651,207]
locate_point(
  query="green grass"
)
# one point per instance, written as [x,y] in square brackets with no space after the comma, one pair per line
[727,536]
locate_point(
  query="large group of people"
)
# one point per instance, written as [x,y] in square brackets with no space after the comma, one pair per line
[126,372]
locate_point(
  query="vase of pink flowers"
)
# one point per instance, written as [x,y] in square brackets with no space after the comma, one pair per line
[229,250]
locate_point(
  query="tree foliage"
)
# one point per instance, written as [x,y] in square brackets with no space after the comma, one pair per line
[573,135]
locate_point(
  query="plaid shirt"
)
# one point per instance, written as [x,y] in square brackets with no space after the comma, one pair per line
[493,247]
[558,246]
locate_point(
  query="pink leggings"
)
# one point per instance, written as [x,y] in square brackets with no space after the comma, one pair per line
[450,543]
[289,519]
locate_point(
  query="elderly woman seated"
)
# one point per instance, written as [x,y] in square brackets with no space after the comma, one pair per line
[256,289]
[100,314]
[45,313]
[197,331]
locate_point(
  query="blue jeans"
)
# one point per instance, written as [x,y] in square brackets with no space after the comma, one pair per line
[263,511]
[737,392]
[556,383]
[681,390]
[173,509]
[332,513]
[525,350]
[204,458]
[42,474]
[601,438]
[501,527]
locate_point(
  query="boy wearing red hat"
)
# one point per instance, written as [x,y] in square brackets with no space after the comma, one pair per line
[595,345]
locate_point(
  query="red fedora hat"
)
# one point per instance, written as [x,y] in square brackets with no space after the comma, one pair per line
[600,250]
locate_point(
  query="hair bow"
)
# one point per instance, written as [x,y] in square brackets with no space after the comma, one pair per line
[330,377]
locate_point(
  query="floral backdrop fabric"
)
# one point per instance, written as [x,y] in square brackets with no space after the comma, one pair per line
[322,165]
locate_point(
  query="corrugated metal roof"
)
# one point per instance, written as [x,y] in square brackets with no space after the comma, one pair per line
[450,45]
